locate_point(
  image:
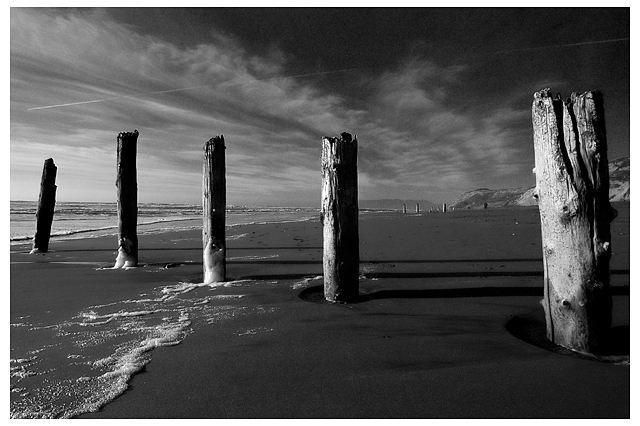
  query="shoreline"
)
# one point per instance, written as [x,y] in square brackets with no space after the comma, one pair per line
[430,341]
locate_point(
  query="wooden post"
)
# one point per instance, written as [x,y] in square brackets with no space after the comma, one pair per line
[444,207]
[339,214]
[214,200]
[572,188]
[46,207]
[417,207]
[127,184]
[404,208]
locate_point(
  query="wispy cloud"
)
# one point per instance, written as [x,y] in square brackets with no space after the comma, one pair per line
[76,81]
[428,142]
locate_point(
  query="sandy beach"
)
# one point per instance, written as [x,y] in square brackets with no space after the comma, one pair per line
[449,324]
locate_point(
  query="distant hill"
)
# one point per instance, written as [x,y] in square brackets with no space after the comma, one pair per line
[619,179]
[619,190]
[494,198]
[395,204]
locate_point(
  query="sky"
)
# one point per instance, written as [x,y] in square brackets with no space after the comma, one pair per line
[439,98]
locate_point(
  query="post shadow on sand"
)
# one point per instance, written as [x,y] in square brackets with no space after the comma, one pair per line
[368,275]
[405,275]
[315,293]
[528,328]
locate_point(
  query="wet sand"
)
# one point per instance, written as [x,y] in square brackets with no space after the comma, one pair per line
[449,325]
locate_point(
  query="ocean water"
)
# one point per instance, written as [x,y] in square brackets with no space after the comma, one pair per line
[85,220]
[65,367]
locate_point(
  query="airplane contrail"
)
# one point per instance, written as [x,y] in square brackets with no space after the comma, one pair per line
[312,74]
[582,43]
[185,88]
[70,104]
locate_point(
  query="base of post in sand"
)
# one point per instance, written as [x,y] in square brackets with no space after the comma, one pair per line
[125,259]
[533,330]
[315,294]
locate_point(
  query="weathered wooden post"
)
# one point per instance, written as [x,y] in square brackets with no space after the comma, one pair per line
[417,207]
[572,188]
[339,214]
[444,207]
[404,208]
[46,207]
[214,200]
[127,184]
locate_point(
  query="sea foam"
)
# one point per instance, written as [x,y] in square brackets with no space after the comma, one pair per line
[105,344]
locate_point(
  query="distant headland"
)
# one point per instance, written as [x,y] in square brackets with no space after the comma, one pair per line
[619,190]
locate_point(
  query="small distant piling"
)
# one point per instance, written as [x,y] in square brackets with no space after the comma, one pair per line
[339,214]
[417,207]
[214,200]
[127,184]
[404,208]
[572,189]
[46,207]
[444,207]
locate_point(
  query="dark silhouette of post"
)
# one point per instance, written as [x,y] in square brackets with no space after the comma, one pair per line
[404,208]
[214,200]
[127,184]
[572,189]
[417,207]
[444,207]
[339,214]
[46,207]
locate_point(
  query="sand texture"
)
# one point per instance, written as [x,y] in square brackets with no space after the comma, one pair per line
[449,324]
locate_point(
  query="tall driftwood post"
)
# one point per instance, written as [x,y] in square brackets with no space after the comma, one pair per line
[46,207]
[339,214]
[572,188]
[444,207]
[417,207]
[127,184]
[214,200]
[404,208]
